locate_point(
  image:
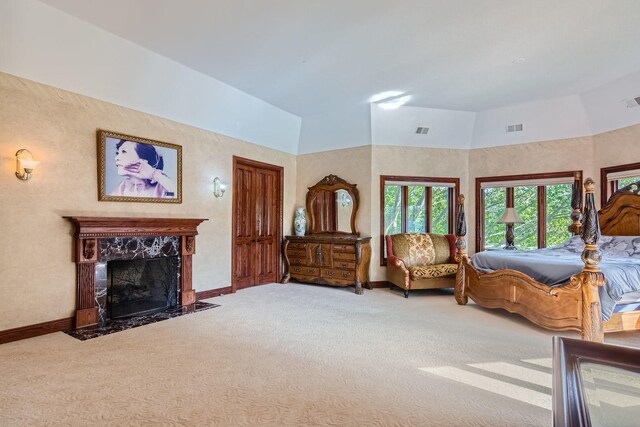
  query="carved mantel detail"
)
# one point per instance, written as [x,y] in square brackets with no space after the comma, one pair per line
[89,231]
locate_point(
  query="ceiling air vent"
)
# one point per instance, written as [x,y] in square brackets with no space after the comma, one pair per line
[515,128]
[422,130]
[632,102]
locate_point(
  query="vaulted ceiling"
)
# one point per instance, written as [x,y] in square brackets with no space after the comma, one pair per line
[313,57]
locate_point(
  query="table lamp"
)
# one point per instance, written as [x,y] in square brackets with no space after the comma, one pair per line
[510,217]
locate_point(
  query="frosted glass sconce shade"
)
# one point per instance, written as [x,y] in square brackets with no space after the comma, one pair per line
[218,188]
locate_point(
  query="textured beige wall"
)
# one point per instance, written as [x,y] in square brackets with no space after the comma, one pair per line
[410,161]
[351,164]
[617,147]
[536,157]
[37,272]
[364,165]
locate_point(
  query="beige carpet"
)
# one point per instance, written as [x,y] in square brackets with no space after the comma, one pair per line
[293,355]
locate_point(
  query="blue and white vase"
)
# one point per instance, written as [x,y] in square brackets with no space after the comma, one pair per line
[300,222]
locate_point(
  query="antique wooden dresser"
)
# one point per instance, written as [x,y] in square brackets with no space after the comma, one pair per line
[328,260]
[332,252]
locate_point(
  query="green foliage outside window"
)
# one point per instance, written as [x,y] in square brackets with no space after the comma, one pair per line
[417,212]
[526,204]
[558,211]
[440,210]
[416,217]
[392,209]
[628,181]
[495,202]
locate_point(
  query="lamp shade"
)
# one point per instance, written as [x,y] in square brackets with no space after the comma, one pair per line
[28,163]
[510,216]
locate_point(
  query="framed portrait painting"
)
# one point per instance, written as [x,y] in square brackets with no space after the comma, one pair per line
[133,169]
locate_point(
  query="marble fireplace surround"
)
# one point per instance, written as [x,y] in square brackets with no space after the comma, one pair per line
[89,251]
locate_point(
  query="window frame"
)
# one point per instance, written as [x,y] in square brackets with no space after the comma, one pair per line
[542,201]
[607,189]
[454,192]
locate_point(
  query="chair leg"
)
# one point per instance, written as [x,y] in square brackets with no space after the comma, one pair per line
[406,294]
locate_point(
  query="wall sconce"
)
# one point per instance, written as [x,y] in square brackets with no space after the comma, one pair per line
[25,164]
[218,188]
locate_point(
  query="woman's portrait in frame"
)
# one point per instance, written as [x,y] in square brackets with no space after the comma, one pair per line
[133,169]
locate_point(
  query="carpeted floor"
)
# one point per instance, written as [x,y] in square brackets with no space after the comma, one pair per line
[293,355]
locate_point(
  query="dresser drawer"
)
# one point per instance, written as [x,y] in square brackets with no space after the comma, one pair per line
[339,263]
[309,271]
[332,273]
[297,261]
[296,253]
[344,248]
[344,256]
[297,245]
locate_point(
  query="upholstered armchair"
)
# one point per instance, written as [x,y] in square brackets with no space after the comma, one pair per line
[421,261]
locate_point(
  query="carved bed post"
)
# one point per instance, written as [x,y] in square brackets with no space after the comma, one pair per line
[591,277]
[576,203]
[461,252]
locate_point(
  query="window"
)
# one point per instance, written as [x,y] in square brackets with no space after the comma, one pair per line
[543,202]
[416,205]
[616,177]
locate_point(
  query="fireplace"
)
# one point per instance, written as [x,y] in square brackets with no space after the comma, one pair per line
[130,266]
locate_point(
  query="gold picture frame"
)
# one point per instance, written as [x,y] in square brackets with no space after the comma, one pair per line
[134,169]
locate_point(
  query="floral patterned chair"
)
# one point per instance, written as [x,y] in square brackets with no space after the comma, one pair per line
[421,261]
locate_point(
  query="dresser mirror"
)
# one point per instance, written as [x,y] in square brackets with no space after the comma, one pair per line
[332,205]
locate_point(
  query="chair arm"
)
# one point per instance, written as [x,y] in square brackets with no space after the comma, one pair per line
[396,262]
[397,272]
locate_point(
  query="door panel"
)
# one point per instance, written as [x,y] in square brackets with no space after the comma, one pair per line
[258,228]
[244,235]
[267,247]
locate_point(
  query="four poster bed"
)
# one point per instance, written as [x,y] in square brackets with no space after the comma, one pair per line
[575,301]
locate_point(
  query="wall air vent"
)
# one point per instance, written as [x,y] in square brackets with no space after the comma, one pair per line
[632,102]
[422,130]
[514,128]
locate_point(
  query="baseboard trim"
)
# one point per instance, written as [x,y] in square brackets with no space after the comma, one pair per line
[36,330]
[60,325]
[380,284]
[211,293]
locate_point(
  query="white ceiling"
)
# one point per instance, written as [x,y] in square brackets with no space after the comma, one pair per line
[313,57]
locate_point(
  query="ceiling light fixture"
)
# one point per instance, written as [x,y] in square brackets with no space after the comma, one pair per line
[395,103]
[385,96]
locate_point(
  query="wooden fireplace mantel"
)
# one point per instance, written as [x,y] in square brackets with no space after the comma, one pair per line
[90,229]
[89,226]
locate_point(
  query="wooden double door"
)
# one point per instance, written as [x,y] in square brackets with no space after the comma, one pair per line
[257,223]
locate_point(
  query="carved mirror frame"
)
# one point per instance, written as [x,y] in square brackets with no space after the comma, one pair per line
[333,183]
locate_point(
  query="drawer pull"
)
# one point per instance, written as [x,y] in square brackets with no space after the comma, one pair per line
[345,274]
[331,273]
[344,264]
[310,270]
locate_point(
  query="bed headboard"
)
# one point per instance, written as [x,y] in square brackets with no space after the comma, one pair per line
[621,215]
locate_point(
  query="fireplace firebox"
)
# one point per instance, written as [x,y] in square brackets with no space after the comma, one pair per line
[141,286]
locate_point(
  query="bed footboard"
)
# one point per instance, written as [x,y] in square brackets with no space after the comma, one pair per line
[574,305]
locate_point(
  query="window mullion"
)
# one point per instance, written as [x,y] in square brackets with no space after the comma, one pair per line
[428,206]
[405,208]
[452,204]
[542,217]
